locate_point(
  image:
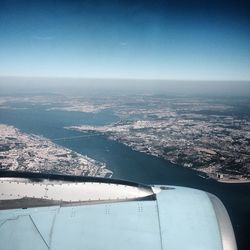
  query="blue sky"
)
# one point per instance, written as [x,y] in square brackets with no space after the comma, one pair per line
[200,40]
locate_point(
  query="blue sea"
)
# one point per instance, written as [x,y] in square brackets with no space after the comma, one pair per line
[126,163]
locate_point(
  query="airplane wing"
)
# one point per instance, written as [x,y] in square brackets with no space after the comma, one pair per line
[43,211]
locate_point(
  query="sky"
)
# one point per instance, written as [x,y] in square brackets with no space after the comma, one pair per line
[180,40]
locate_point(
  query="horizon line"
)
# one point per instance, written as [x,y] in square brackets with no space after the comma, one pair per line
[124,78]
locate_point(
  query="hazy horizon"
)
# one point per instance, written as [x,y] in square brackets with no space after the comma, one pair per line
[92,86]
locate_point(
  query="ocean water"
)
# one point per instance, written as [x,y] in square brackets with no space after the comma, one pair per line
[126,163]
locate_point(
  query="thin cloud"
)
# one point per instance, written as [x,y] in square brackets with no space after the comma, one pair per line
[123,43]
[43,38]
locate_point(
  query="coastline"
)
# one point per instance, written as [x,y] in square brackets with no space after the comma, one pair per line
[228,181]
[120,133]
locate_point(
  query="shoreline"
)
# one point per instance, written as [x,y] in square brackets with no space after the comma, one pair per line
[233,181]
[111,135]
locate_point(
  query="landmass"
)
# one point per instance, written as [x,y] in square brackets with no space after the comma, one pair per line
[26,152]
[55,102]
[205,135]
